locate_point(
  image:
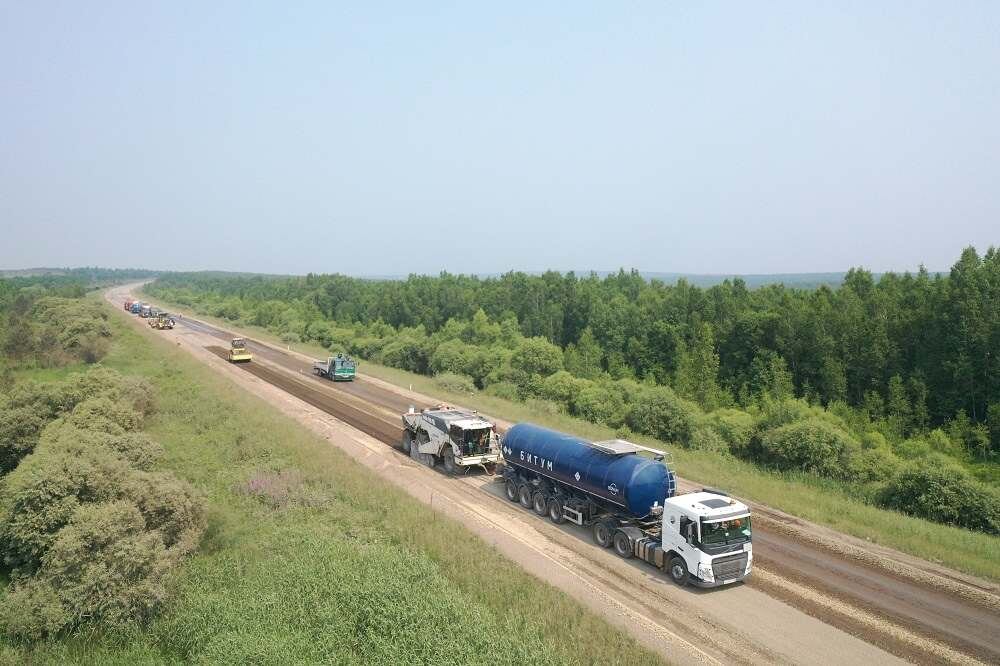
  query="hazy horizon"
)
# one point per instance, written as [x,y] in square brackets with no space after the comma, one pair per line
[715,139]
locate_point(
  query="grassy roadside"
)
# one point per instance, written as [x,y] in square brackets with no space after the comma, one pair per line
[817,500]
[311,558]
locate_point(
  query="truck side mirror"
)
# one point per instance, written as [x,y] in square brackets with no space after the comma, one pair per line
[687,533]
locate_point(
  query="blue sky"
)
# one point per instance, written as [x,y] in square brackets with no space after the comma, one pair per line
[418,137]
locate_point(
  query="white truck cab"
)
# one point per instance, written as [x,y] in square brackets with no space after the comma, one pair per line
[709,534]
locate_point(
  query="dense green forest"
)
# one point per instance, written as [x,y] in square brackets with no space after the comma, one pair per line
[45,321]
[89,530]
[891,384]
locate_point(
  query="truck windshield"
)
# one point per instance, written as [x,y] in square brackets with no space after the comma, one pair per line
[477,441]
[725,532]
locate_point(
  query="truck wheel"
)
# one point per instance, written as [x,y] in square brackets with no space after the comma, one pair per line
[602,534]
[429,459]
[623,545]
[524,496]
[539,503]
[407,441]
[679,571]
[449,462]
[511,489]
[415,451]
[556,511]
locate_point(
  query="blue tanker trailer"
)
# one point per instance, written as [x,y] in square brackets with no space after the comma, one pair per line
[626,494]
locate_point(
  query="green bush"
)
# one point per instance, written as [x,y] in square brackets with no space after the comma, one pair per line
[913,448]
[134,448]
[455,383]
[367,347]
[562,387]
[40,496]
[20,428]
[873,465]
[547,407]
[104,567]
[873,439]
[812,445]
[537,356]
[453,356]
[72,468]
[170,507]
[707,438]
[101,382]
[943,492]
[659,412]
[70,326]
[487,363]
[734,426]
[105,414]
[139,393]
[504,390]
[407,354]
[598,405]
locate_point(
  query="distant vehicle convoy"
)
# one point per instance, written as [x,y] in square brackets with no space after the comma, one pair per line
[623,491]
[339,368]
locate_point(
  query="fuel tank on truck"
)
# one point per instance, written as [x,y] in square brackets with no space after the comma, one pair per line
[612,471]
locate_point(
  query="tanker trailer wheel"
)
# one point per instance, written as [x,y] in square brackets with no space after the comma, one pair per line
[602,534]
[524,496]
[539,503]
[511,489]
[407,441]
[623,545]
[679,571]
[429,459]
[449,462]
[556,511]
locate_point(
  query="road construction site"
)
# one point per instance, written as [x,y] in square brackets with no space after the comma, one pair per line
[814,596]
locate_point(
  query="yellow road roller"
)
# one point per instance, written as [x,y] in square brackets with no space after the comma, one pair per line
[238,351]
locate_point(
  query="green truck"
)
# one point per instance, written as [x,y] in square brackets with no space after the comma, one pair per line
[339,368]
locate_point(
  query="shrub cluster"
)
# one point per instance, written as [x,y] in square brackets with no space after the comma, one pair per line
[88,529]
[53,330]
[941,491]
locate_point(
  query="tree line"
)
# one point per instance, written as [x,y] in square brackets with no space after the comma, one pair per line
[916,347]
[773,376]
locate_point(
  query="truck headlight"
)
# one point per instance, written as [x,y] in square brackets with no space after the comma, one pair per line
[705,572]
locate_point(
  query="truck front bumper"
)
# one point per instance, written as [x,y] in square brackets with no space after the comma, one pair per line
[478,460]
[698,582]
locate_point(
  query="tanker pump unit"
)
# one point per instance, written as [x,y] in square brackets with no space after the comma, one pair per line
[625,493]
[456,438]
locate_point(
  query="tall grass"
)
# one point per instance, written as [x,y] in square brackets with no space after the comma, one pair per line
[818,500]
[309,557]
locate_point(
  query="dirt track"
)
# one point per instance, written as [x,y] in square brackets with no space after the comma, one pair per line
[918,622]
